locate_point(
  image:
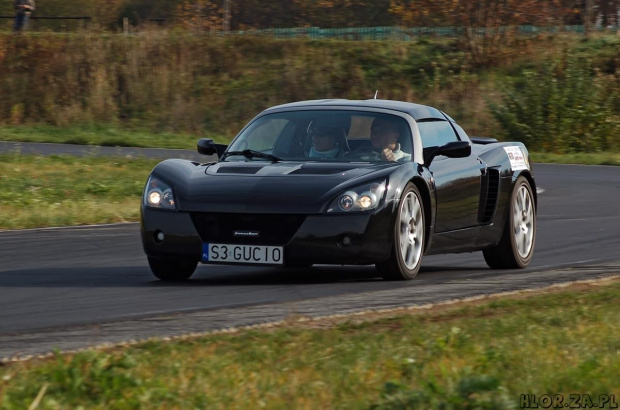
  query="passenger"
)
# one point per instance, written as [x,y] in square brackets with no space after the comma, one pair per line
[384,136]
[324,141]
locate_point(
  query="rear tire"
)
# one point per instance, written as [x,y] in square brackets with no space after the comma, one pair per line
[409,238]
[172,270]
[516,247]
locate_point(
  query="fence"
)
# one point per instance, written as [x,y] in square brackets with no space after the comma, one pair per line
[365,33]
[401,33]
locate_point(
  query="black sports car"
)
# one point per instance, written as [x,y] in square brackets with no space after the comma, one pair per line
[342,182]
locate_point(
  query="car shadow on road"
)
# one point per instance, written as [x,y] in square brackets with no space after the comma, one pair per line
[212,275]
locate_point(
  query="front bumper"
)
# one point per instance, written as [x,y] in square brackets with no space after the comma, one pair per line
[316,239]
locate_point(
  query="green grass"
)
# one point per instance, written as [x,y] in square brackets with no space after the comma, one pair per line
[63,190]
[42,191]
[103,136]
[602,158]
[477,356]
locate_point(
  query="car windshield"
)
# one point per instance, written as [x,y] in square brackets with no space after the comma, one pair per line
[324,135]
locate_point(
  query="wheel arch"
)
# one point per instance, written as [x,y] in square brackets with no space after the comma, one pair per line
[506,254]
[530,179]
[425,193]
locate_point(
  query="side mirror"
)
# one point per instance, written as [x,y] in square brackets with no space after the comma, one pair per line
[206,146]
[454,149]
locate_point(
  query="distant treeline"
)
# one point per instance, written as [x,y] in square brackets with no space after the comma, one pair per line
[260,14]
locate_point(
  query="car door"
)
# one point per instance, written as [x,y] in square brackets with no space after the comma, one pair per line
[457,179]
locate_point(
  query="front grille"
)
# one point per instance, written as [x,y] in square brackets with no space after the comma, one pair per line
[273,229]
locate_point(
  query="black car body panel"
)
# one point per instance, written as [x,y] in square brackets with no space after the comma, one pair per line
[289,201]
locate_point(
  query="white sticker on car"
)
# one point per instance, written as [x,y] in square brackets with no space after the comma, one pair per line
[516,157]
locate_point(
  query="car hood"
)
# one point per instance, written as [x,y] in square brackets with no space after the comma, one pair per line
[260,187]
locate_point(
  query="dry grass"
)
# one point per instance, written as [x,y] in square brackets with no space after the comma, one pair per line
[185,83]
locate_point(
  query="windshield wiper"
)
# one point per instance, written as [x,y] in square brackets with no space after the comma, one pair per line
[250,153]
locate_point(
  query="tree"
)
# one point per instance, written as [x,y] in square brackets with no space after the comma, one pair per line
[485,25]
[610,12]
[140,11]
[344,13]
[200,15]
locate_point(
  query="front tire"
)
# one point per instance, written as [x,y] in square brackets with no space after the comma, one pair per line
[409,237]
[172,270]
[516,247]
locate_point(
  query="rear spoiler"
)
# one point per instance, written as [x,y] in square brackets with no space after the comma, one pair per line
[483,140]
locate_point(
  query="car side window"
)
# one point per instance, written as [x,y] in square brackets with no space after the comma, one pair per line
[436,133]
[462,134]
[360,133]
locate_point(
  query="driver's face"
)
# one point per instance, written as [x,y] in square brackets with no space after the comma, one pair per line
[383,136]
[323,142]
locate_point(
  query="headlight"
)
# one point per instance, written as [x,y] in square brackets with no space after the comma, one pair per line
[158,194]
[362,198]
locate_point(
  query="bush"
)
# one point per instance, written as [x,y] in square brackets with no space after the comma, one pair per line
[566,107]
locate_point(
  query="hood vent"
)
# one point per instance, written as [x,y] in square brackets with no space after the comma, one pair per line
[278,169]
[238,170]
[306,170]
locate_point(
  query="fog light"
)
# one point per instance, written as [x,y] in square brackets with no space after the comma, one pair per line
[159,236]
[346,241]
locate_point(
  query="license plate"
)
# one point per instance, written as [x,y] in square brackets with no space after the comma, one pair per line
[217,252]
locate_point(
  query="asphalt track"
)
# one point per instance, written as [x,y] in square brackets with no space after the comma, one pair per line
[46,149]
[76,287]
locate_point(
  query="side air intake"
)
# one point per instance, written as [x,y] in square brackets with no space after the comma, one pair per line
[488,196]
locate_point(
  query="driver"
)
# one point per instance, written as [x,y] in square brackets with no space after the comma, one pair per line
[384,138]
[324,141]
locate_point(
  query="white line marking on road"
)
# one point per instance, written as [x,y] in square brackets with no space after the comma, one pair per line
[56,228]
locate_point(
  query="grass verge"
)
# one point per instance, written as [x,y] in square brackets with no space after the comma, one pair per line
[42,191]
[476,355]
[601,158]
[64,190]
